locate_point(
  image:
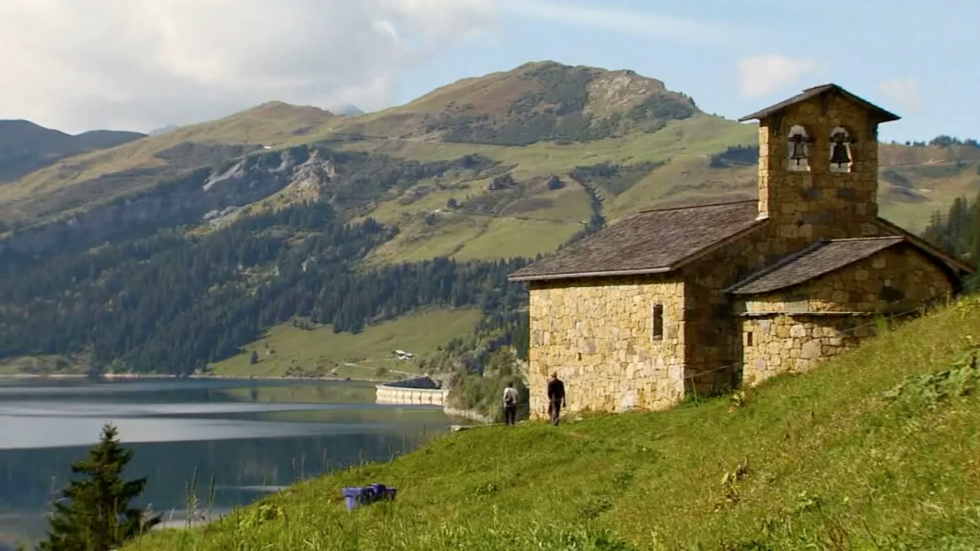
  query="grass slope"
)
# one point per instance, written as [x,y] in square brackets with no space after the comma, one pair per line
[319,351]
[821,460]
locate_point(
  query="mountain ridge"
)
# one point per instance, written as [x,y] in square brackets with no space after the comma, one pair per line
[26,146]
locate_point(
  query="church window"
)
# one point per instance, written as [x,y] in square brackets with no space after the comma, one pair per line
[658,321]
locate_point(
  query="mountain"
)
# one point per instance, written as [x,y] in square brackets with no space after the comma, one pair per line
[163,129]
[293,224]
[26,147]
[346,110]
[542,101]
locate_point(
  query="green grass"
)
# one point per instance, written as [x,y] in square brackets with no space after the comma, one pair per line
[822,460]
[419,241]
[510,237]
[320,351]
[43,365]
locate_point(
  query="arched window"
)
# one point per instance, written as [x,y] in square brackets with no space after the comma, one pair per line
[799,149]
[841,158]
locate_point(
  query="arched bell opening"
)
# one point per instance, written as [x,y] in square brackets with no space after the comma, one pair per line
[841,157]
[799,149]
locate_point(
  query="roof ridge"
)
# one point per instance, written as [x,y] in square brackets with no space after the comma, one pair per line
[869,238]
[818,244]
[698,206]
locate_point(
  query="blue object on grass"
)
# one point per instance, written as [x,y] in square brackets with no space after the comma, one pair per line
[366,495]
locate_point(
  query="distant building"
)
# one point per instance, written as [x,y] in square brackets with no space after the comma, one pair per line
[678,300]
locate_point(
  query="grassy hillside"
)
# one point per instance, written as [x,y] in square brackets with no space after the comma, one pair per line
[26,147]
[831,459]
[304,350]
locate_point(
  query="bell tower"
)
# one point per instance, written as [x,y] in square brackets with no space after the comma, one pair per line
[818,164]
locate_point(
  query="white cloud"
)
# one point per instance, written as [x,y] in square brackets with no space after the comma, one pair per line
[760,75]
[902,91]
[139,65]
[632,22]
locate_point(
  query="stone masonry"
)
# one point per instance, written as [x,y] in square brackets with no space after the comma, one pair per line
[819,203]
[795,343]
[822,318]
[598,337]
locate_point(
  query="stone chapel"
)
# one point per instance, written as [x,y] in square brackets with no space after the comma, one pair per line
[691,299]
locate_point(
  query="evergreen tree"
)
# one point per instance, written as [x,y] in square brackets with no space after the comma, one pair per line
[93,513]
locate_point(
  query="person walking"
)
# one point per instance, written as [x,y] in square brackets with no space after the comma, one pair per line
[511,397]
[556,398]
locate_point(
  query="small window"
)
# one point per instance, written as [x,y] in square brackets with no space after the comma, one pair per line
[748,339]
[658,321]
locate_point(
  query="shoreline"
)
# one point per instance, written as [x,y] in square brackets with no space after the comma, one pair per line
[469,415]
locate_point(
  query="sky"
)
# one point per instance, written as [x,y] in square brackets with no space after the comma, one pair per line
[126,65]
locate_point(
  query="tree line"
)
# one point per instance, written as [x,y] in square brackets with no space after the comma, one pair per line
[173,303]
[957,231]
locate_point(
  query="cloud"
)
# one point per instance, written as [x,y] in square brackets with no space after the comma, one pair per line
[632,22]
[902,91]
[140,65]
[760,75]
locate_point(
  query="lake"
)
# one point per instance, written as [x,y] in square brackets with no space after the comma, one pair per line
[251,436]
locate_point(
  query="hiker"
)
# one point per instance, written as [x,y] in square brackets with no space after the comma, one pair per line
[510,403]
[556,397]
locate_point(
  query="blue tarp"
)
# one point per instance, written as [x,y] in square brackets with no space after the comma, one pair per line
[366,495]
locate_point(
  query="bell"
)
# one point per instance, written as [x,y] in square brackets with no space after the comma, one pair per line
[839,155]
[799,151]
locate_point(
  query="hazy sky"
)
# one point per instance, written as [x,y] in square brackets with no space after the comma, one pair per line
[78,65]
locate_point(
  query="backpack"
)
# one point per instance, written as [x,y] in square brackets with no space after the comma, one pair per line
[508,399]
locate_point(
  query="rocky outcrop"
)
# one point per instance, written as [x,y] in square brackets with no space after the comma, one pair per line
[186,198]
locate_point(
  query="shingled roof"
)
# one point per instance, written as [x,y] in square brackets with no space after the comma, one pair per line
[816,260]
[883,115]
[653,241]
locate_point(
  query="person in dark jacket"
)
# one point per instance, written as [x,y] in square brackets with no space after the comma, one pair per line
[556,397]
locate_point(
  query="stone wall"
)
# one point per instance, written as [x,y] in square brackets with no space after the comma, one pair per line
[597,335]
[794,329]
[387,394]
[819,203]
[791,343]
[711,332]
[894,280]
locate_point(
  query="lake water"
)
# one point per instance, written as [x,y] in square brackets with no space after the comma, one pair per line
[251,436]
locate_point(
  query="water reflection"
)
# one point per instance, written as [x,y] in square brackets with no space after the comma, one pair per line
[252,437]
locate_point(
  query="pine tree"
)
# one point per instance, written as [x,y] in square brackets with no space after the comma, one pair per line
[93,513]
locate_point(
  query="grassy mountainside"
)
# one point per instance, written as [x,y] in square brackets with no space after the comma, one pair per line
[26,147]
[875,450]
[307,349]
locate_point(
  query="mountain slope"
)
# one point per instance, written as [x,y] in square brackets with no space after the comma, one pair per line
[87,181]
[26,147]
[534,102]
[874,450]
